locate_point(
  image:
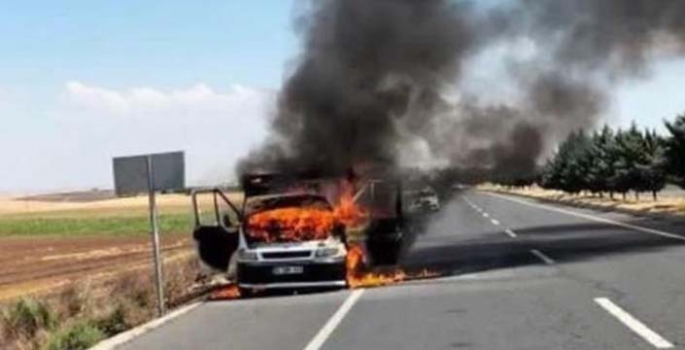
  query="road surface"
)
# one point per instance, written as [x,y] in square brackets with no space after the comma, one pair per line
[521,275]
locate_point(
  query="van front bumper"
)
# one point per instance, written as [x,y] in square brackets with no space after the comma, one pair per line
[261,275]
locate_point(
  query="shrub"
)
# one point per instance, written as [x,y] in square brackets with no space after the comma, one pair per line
[114,323]
[135,294]
[26,318]
[137,287]
[79,336]
[179,281]
[77,299]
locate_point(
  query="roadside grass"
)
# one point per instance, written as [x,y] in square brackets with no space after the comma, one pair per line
[87,312]
[665,204]
[92,225]
[27,321]
[79,336]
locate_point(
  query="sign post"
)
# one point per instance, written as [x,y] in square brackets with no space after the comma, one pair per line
[159,279]
[151,173]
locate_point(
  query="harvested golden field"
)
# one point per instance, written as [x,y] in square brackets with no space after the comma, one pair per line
[170,203]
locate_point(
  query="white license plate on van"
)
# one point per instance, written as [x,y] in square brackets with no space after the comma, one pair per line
[288,270]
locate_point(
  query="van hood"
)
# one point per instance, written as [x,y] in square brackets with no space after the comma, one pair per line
[304,245]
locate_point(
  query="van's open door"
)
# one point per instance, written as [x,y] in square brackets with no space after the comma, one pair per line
[217,227]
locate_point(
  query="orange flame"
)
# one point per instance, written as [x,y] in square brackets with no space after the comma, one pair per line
[291,224]
[306,223]
[348,211]
[227,292]
[357,277]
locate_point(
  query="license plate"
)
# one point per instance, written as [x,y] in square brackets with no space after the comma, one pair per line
[288,270]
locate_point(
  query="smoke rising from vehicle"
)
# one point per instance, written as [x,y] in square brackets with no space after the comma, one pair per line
[382,81]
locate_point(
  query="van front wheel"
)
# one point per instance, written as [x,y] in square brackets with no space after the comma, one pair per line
[245,293]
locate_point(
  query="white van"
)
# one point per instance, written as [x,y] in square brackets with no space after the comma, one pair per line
[268,259]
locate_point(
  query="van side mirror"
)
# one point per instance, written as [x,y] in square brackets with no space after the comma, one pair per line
[340,231]
[226,221]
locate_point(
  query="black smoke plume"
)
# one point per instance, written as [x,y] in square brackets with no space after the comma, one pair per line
[379,81]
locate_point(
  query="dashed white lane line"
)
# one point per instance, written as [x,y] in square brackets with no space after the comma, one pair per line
[494,222]
[634,324]
[593,218]
[511,233]
[546,259]
[486,215]
[325,332]
[472,205]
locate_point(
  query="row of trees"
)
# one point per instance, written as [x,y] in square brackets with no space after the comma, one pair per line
[618,161]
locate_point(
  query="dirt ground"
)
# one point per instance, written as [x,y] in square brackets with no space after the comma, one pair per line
[37,265]
[42,264]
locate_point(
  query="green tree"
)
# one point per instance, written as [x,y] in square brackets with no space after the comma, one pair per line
[675,150]
[566,170]
[629,154]
[602,160]
[577,158]
[652,164]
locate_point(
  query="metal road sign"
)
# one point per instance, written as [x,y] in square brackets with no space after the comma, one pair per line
[131,173]
[151,173]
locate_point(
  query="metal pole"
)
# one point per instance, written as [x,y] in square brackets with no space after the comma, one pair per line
[159,279]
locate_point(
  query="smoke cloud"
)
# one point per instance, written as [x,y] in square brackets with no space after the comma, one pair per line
[380,82]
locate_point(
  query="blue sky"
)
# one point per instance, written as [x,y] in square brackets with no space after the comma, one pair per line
[118,46]
[123,43]
[83,81]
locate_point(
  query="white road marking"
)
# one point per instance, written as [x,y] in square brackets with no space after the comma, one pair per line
[593,218]
[511,233]
[486,215]
[546,259]
[321,337]
[634,324]
[494,222]
[127,336]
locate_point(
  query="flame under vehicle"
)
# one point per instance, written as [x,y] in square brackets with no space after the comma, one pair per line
[286,234]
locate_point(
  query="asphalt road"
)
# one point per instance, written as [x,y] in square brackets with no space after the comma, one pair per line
[520,275]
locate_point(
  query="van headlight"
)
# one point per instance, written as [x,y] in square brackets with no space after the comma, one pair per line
[326,252]
[247,255]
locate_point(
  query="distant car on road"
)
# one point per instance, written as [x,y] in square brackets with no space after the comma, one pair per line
[421,201]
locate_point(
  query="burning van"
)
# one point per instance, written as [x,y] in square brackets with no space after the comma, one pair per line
[286,234]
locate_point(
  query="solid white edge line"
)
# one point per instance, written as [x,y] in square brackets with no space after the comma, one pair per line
[634,324]
[494,222]
[542,256]
[511,233]
[321,337]
[593,218]
[127,336]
